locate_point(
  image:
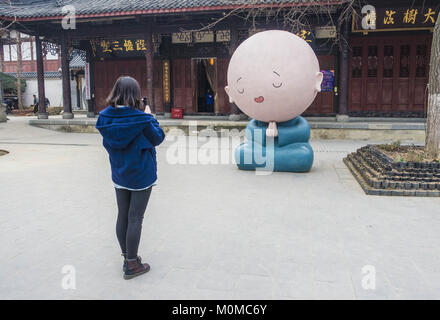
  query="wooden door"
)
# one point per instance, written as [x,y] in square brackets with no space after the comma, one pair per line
[108,71]
[183,95]
[389,74]
[223,99]
[324,101]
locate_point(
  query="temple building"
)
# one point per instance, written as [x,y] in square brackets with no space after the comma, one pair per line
[390,50]
[375,59]
[9,61]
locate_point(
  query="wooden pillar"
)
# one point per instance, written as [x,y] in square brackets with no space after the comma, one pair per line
[65,74]
[90,82]
[344,68]
[78,91]
[234,111]
[3,116]
[42,113]
[149,55]
[3,110]
[2,58]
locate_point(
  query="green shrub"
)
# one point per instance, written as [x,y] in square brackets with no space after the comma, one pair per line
[10,84]
[392,146]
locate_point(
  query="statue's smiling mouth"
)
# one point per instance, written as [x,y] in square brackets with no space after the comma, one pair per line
[260,99]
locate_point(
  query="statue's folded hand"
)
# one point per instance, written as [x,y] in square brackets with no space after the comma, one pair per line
[272,129]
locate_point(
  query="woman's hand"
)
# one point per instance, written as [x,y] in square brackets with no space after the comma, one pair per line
[144,106]
[147,109]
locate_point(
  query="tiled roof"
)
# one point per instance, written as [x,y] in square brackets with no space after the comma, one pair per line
[39,9]
[33,75]
[77,62]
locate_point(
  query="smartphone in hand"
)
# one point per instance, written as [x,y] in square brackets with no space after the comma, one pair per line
[145,105]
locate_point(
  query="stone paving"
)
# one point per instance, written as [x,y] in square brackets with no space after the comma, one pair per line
[210,231]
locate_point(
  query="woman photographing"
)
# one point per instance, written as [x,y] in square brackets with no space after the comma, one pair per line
[130,134]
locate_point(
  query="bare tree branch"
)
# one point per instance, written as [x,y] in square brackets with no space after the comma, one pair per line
[292,17]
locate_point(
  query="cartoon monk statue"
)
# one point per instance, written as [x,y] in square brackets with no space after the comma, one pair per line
[273,77]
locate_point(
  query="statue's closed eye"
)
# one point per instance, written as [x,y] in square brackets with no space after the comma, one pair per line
[277,85]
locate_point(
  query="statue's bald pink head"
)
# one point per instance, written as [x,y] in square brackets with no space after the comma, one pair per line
[273,76]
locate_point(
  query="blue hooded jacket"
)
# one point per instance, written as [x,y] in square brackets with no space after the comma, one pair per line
[129,136]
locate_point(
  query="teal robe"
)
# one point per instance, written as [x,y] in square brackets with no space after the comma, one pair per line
[290,151]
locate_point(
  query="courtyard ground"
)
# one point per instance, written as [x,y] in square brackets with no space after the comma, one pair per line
[210,231]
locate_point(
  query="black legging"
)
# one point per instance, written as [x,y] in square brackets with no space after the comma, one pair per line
[131,209]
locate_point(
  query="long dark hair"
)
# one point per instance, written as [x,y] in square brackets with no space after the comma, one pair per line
[125,92]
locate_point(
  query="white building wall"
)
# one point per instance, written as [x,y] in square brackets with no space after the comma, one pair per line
[53,90]
[73,95]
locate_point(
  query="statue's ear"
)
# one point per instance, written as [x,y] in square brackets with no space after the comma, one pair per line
[319,77]
[228,92]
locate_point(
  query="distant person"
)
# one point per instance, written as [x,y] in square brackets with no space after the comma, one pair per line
[9,105]
[46,100]
[130,134]
[35,104]
[209,101]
